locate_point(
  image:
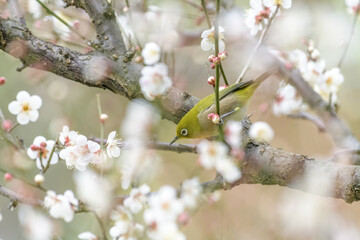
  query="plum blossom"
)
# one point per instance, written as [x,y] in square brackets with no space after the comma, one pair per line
[154,81]
[208,40]
[257,16]
[113,151]
[283,3]
[151,53]
[25,107]
[42,150]
[34,8]
[87,236]
[79,152]
[61,206]
[261,132]
[211,152]
[137,199]
[287,100]
[190,192]
[35,225]
[95,190]
[233,134]
[124,227]
[228,169]
[215,155]
[164,206]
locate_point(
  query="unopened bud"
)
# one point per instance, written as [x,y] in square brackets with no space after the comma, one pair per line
[216,60]
[211,80]
[223,55]
[126,9]
[2,80]
[103,117]
[6,125]
[315,54]
[139,59]
[183,218]
[76,24]
[39,179]
[34,148]
[211,58]
[212,66]
[210,116]
[216,119]
[8,177]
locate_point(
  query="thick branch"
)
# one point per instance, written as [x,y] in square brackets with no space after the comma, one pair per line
[108,32]
[93,70]
[270,166]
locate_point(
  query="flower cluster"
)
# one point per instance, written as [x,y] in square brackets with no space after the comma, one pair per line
[215,155]
[43,151]
[312,67]
[125,227]
[162,215]
[261,11]
[25,107]
[137,199]
[154,79]
[61,206]
[78,151]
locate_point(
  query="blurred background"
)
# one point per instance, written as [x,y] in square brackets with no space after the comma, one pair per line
[245,212]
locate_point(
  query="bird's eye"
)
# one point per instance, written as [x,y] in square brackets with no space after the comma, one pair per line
[184,132]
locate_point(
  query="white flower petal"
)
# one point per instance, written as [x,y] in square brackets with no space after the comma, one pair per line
[35,102]
[14,107]
[23,118]
[23,96]
[33,115]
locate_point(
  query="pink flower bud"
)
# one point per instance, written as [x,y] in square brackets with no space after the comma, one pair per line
[34,148]
[2,80]
[6,125]
[210,116]
[183,218]
[76,24]
[211,58]
[43,144]
[223,55]
[215,119]
[216,60]
[138,59]
[211,80]
[103,117]
[288,66]
[8,177]
[212,66]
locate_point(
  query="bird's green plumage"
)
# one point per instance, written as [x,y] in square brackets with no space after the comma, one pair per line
[233,101]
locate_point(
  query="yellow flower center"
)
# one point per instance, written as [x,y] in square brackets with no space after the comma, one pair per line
[278,2]
[329,81]
[25,106]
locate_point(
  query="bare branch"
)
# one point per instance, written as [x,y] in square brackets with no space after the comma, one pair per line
[312,118]
[16,197]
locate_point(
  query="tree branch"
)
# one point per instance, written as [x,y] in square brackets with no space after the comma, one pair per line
[109,36]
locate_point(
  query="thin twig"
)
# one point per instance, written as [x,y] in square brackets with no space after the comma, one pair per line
[206,13]
[217,70]
[48,10]
[223,74]
[307,116]
[101,224]
[350,37]
[261,39]
[16,197]
[102,128]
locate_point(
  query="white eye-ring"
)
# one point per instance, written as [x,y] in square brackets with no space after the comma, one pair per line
[184,132]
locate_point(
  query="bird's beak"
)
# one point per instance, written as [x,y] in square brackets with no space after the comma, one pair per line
[174,140]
